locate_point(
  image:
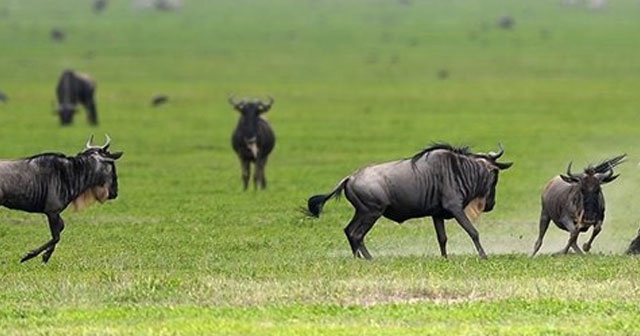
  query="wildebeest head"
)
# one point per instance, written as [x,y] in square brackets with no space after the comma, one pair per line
[590,182]
[490,160]
[250,111]
[66,112]
[105,169]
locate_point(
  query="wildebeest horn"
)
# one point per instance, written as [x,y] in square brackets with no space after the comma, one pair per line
[494,156]
[270,101]
[235,103]
[569,171]
[107,143]
[89,145]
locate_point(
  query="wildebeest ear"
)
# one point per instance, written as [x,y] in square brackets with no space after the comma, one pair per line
[569,179]
[115,155]
[503,165]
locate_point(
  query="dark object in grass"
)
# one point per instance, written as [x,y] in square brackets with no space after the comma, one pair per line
[159,100]
[48,183]
[574,202]
[506,22]
[3,97]
[253,139]
[634,247]
[441,181]
[99,5]
[57,35]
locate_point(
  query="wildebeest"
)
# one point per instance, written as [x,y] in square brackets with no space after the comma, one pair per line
[3,97]
[57,35]
[574,202]
[634,247]
[253,139]
[47,183]
[73,88]
[159,100]
[441,181]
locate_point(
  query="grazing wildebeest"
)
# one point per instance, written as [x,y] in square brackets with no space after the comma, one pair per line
[441,181]
[47,183]
[253,139]
[73,88]
[574,202]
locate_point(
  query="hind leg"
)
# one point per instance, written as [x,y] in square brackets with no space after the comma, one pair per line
[356,230]
[438,223]
[544,225]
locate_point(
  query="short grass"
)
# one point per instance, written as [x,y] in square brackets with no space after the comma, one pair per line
[184,250]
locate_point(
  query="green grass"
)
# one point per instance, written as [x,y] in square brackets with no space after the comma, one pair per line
[184,251]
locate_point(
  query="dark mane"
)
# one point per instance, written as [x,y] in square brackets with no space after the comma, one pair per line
[50,154]
[463,150]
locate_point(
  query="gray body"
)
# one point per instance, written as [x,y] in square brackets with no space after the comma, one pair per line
[575,202]
[253,140]
[48,183]
[442,182]
[76,88]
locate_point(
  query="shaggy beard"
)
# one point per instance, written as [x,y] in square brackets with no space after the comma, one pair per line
[90,196]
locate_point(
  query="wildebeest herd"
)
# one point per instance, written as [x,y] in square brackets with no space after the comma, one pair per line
[442,181]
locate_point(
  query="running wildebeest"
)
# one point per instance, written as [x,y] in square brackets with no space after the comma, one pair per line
[159,100]
[73,88]
[574,202]
[47,183]
[252,139]
[441,181]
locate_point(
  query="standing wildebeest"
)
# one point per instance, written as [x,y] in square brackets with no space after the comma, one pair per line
[253,139]
[574,202]
[47,183]
[73,88]
[441,181]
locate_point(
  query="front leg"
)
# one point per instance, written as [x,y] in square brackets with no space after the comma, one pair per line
[466,224]
[574,231]
[56,225]
[596,230]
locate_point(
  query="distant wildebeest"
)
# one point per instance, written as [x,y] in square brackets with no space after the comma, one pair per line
[57,35]
[159,100]
[574,202]
[441,181]
[506,22]
[47,183]
[634,247]
[73,88]
[3,97]
[253,139]
[99,5]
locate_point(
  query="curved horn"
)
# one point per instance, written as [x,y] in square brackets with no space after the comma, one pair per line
[232,101]
[107,143]
[270,101]
[494,156]
[569,173]
[89,145]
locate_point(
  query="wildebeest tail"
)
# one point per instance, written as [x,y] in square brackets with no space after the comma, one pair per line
[315,203]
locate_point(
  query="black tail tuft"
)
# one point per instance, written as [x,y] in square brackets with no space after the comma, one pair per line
[314,205]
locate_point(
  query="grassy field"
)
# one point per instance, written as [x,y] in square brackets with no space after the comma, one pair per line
[184,250]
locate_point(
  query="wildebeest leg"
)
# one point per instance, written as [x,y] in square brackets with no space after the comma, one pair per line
[471,231]
[245,166]
[357,228]
[56,225]
[596,230]
[92,113]
[442,235]
[574,231]
[544,225]
[258,175]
